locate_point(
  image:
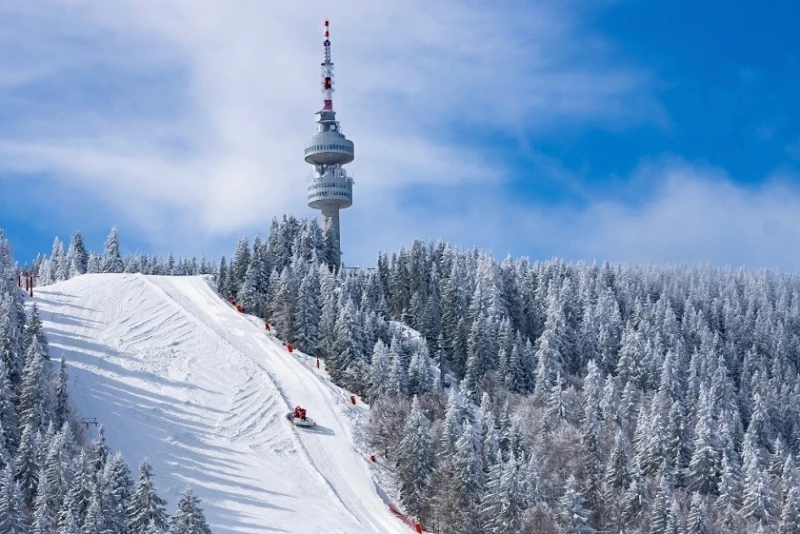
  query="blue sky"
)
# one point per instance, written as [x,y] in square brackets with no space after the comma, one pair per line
[620,130]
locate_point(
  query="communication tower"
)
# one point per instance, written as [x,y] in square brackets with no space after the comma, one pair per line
[329,189]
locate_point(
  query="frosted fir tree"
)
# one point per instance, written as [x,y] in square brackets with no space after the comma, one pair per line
[635,500]
[659,515]
[789,476]
[452,426]
[284,305]
[777,458]
[698,516]
[705,464]
[27,465]
[32,390]
[488,440]
[94,264]
[468,481]
[44,510]
[59,261]
[69,524]
[239,265]
[415,460]
[95,520]
[592,453]
[189,517]
[147,510]
[346,345]
[551,352]
[676,441]
[33,328]
[249,297]
[80,491]
[222,278]
[61,409]
[759,500]
[491,508]
[573,509]
[730,486]
[56,474]
[379,370]
[515,498]
[112,259]
[396,380]
[77,255]
[419,375]
[675,523]
[617,474]
[655,440]
[118,490]
[478,350]
[521,368]
[557,407]
[46,273]
[308,312]
[790,515]
[99,452]
[610,331]
[730,520]
[12,517]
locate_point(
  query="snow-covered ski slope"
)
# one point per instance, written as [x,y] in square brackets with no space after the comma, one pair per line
[177,375]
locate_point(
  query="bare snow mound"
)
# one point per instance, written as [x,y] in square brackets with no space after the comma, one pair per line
[176,375]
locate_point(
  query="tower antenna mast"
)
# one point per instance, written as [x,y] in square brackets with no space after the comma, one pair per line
[330,188]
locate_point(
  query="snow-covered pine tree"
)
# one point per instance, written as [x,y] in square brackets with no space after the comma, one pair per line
[32,390]
[284,305]
[33,328]
[420,380]
[468,481]
[77,255]
[146,510]
[61,409]
[574,512]
[188,518]
[27,464]
[704,466]
[112,259]
[698,516]
[44,510]
[118,490]
[759,501]
[790,515]
[12,516]
[69,524]
[239,265]
[308,311]
[551,352]
[222,279]
[415,460]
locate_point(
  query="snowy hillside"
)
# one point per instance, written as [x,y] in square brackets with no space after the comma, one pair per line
[178,376]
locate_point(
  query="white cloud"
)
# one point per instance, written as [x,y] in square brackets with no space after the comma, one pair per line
[418,82]
[191,114]
[693,214]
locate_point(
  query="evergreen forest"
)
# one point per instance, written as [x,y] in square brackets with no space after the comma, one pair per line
[575,398]
[53,478]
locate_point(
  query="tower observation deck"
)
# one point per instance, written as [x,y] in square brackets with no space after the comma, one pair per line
[330,189]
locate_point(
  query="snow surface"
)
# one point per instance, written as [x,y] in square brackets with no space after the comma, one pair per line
[177,375]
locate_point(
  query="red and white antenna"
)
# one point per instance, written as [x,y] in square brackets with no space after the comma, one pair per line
[327,70]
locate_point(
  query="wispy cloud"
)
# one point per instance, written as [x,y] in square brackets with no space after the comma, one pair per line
[691,214]
[191,115]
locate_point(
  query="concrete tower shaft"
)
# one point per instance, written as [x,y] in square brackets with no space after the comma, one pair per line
[330,189]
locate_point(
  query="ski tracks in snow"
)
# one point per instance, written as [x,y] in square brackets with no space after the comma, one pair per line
[176,374]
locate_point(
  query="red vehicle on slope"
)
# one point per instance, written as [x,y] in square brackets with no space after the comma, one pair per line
[298,417]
